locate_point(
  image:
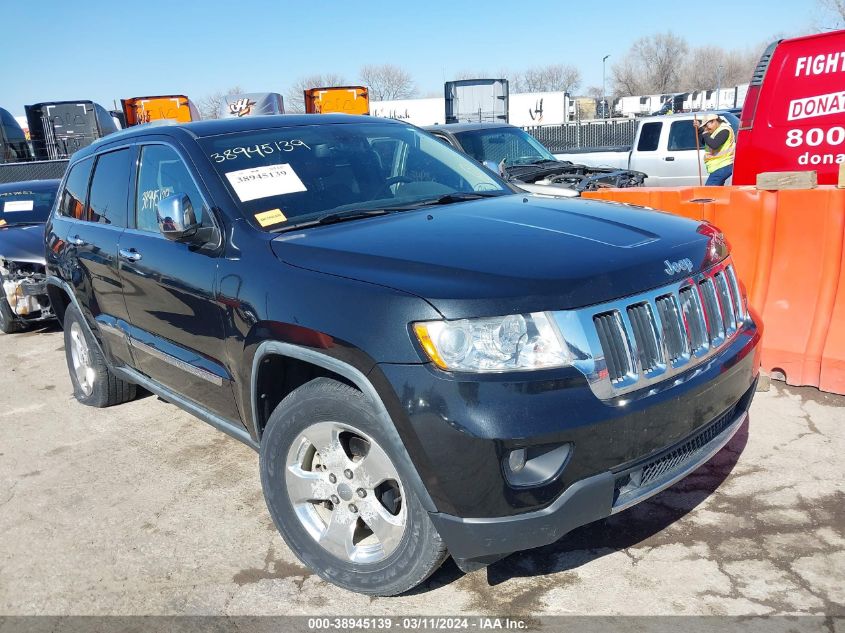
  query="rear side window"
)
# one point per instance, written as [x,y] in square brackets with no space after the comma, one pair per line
[649,137]
[72,204]
[110,188]
[162,173]
[681,136]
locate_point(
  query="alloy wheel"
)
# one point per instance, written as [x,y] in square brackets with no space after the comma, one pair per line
[346,492]
[81,358]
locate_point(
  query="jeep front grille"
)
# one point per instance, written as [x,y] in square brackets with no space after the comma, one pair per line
[645,335]
[693,318]
[639,341]
[739,306]
[715,326]
[614,339]
[674,335]
[726,302]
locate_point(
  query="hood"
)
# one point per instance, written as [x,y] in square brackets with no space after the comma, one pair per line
[504,255]
[22,243]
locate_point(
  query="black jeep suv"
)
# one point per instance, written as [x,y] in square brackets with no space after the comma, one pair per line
[426,361]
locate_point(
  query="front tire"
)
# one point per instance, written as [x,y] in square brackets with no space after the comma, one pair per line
[93,382]
[332,487]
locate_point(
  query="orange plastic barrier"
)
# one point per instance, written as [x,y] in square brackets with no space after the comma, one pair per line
[789,250]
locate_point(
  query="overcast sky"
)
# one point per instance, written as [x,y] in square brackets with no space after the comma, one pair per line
[55,50]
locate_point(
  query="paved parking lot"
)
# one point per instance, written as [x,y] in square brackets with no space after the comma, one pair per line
[142,509]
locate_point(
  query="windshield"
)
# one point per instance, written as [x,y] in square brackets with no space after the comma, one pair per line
[26,205]
[289,176]
[514,145]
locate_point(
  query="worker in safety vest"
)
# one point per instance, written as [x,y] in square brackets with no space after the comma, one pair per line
[719,141]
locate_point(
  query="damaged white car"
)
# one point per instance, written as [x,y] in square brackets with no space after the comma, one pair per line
[24,208]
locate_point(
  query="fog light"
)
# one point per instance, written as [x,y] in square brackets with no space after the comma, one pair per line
[516,460]
[535,465]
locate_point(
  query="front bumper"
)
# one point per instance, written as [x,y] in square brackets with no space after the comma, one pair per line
[27,296]
[458,432]
[474,542]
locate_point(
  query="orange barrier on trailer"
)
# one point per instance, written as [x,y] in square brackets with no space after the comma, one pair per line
[789,250]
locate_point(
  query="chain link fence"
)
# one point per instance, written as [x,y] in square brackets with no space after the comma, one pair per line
[559,138]
[32,170]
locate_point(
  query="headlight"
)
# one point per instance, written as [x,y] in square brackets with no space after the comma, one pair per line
[517,342]
[718,247]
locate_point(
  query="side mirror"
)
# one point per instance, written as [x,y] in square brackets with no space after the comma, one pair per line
[176,218]
[496,168]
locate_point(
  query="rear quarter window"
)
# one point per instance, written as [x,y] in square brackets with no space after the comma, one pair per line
[74,194]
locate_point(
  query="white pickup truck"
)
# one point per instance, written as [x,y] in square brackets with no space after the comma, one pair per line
[664,148]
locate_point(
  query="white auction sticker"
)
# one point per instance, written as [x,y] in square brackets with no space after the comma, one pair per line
[263,182]
[18,205]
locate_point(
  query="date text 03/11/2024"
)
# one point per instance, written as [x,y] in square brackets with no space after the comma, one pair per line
[417,623]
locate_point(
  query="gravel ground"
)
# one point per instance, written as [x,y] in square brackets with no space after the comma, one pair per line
[142,509]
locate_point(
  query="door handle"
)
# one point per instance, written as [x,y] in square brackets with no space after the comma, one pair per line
[77,241]
[669,158]
[129,254]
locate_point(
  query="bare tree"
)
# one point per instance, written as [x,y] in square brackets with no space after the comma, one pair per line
[386,82]
[469,74]
[652,65]
[701,68]
[295,95]
[833,14]
[711,67]
[209,105]
[627,78]
[662,56]
[595,92]
[555,77]
[739,65]
[515,80]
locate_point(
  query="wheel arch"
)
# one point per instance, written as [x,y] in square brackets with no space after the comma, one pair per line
[59,300]
[327,366]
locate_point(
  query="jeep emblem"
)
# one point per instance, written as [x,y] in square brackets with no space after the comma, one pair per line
[673,268]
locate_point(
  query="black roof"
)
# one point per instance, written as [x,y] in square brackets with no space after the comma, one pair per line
[464,127]
[198,129]
[241,124]
[50,103]
[32,185]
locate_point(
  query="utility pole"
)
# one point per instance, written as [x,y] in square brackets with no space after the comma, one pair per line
[603,87]
[718,85]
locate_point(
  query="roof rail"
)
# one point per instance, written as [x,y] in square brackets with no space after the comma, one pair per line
[125,131]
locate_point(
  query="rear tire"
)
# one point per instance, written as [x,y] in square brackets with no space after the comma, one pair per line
[93,382]
[324,448]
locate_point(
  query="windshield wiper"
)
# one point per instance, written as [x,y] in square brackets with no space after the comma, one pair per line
[356,214]
[353,214]
[333,218]
[449,198]
[533,163]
